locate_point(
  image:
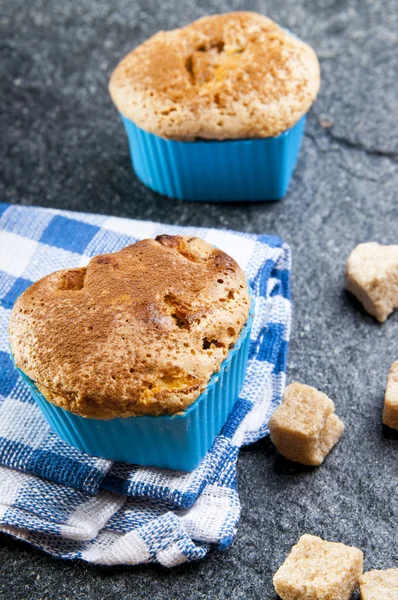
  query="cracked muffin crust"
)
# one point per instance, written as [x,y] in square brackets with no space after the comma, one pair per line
[230,76]
[137,332]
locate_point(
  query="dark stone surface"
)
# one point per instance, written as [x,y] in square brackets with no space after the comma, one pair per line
[62,145]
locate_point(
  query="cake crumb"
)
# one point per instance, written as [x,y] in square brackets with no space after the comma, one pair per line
[372,276]
[319,570]
[304,428]
[390,411]
[375,585]
[326,123]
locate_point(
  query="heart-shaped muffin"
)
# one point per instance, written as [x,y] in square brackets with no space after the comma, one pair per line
[137,332]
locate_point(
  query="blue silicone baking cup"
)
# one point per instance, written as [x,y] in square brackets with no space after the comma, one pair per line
[178,441]
[211,170]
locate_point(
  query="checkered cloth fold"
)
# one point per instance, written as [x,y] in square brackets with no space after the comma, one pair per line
[76,506]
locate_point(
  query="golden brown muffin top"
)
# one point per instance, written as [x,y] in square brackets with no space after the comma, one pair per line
[137,332]
[235,75]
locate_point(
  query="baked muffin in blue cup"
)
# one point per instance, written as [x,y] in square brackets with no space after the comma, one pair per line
[216,110]
[140,357]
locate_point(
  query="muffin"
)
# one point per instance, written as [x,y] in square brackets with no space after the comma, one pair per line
[126,355]
[216,110]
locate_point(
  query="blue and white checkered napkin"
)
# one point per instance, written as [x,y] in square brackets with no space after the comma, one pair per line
[76,506]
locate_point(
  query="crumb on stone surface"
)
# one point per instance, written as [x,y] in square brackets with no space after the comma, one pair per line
[325,122]
[304,428]
[319,570]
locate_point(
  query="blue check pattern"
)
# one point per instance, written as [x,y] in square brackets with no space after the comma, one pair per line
[76,506]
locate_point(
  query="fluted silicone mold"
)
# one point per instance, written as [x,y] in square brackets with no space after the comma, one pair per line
[173,442]
[238,170]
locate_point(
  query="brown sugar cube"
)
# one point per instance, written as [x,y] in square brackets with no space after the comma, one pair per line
[390,411]
[304,428]
[319,570]
[379,585]
[372,276]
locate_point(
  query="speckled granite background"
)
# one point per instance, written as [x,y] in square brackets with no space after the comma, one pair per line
[62,145]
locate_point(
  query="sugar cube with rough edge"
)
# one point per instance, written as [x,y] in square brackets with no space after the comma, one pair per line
[372,276]
[319,570]
[379,585]
[390,410]
[304,428]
